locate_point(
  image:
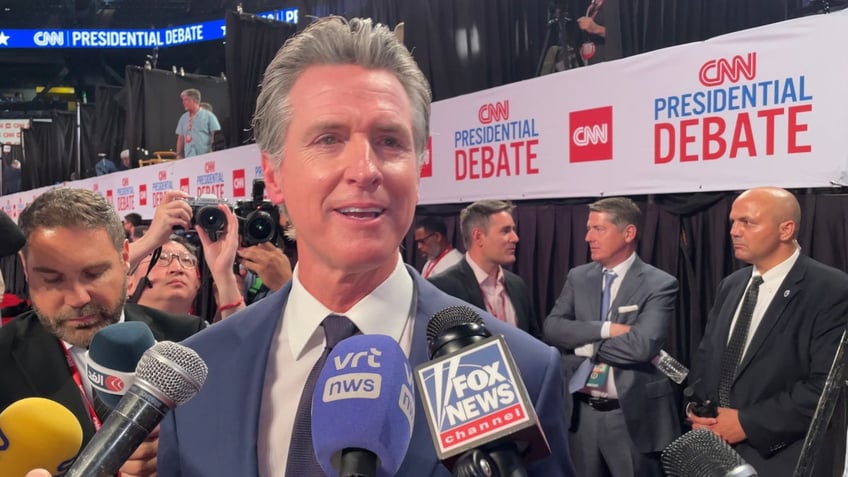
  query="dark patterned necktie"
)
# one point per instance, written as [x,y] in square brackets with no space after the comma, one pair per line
[733,353]
[301,460]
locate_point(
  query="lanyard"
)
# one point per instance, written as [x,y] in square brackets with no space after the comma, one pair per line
[432,264]
[78,380]
[500,313]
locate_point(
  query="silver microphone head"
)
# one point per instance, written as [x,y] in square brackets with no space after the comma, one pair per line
[701,453]
[172,371]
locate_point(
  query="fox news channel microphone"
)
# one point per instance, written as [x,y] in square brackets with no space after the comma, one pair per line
[363,408]
[475,399]
[113,356]
[167,375]
[701,453]
[37,433]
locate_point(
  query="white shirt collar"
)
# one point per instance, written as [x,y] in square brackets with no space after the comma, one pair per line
[372,315]
[481,275]
[779,271]
[622,268]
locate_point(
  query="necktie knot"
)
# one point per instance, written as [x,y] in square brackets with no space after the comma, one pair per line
[337,328]
[609,276]
[756,281]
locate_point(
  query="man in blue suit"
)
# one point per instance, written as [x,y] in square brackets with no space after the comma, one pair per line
[610,322]
[767,389]
[342,123]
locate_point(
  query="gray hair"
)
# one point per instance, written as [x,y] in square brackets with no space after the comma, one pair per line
[191,93]
[621,211]
[336,41]
[72,208]
[476,216]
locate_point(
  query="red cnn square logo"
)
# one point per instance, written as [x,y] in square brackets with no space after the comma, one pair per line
[238,183]
[427,167]
[163,175]
[590,135]
[142,194]
[109,198]
[184,184]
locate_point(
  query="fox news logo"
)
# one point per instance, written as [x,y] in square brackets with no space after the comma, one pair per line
[471,395]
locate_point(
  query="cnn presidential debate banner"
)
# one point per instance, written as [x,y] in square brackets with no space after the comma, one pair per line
[750,108]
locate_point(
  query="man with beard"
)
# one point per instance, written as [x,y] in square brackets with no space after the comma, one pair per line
[76,262]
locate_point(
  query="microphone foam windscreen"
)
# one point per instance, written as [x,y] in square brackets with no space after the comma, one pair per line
[37,433]
[173,370]
[113,356]
[11,237]
[364,399]
[450,317]
[701,453]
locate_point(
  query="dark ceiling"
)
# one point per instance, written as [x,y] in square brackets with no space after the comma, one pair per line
[26,68]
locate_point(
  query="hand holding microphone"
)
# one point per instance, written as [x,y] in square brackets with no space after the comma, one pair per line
[475,400]
[363,408]
[168,374]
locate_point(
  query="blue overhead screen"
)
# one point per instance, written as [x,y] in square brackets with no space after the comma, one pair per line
[162,38]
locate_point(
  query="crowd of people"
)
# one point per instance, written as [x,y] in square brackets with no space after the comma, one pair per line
[342,122]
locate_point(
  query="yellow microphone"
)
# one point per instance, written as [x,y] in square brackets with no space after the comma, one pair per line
[38,433]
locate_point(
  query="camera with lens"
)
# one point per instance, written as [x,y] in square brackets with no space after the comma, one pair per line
[206,215]
[258,218]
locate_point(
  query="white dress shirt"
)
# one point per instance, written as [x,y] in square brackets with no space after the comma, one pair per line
[772,280]
[298,344]
[495,297]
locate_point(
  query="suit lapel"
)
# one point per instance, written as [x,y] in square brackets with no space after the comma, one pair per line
[788,290]
[592,294]
[518,301]
[472,287]
[40,359]
[629,286]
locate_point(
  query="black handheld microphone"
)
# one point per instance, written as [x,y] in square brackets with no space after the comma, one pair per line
[475,400]
[167,375]
[700,407]
[701,453]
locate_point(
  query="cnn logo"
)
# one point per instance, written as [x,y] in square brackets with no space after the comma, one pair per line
[590,135]
[716,72]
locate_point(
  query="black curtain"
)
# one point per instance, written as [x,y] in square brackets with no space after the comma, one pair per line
[49,150]
[88,140]
[109,122]
[131,99]
[163,106]
[252,43]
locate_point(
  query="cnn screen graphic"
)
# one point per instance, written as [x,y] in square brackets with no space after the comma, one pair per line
[590,135]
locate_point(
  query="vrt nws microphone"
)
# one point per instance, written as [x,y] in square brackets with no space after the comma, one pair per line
[38,433]
[168,374]
[113,356]
[475,399]
[363,408]
[701,453]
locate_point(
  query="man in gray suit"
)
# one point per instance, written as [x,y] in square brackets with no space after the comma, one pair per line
[609,322]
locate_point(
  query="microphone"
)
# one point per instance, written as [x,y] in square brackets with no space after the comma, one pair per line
[11,237]
[113,356]
[701,453]
[168,374]
[38,433]
[672,368]
[699,407]
[475,398]
[363,408]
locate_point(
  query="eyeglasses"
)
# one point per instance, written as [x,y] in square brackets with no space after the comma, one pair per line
[422,239]
[187,260]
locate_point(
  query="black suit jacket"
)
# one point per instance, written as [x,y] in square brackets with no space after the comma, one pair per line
[32,363]
[785,367]
[459,281]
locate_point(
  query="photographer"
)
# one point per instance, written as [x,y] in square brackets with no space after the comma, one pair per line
[157,290]
[265,265]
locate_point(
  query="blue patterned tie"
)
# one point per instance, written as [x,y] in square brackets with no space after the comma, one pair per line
[301,460]
[581,374]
